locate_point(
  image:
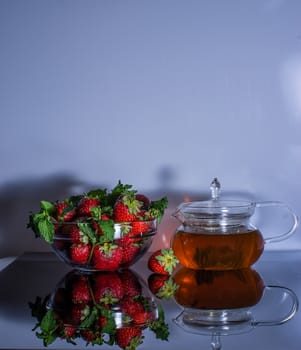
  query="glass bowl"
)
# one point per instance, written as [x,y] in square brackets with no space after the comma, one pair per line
[91,246]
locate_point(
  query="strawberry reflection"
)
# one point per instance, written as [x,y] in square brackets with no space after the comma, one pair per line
[110,308]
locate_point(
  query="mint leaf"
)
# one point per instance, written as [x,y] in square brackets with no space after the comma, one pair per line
[159,327]
[48,323]
[46,229]
[107,227]
[48,328]
[47,207]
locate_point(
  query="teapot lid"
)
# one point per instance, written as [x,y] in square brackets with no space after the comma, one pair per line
[216,208]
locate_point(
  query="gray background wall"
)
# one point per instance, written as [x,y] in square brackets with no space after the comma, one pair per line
[164,95]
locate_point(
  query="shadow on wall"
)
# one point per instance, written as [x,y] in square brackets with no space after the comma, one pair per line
[18,199]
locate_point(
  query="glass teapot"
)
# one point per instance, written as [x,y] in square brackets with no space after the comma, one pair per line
[217,234]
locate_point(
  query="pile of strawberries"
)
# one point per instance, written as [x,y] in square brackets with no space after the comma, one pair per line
[110,308]
[100,230]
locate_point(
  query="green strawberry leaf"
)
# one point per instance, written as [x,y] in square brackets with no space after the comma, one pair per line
[73,200]
[87,230]
[158,207]
[90,319]
[100,194]
[118,190]
[96,212]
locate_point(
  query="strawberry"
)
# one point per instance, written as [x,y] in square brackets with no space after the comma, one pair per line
[126,208]
[80,253]
[129,252]
[140,227]
[141,318]
[107,256]
[163,261]
[92,337]
[64,211]
[79,312]
[130,284]
[86,204]
[130,306]
[107,288]
[80,292]
[144,199]
[76,235]
[129,337]
[162,286]
[68,331]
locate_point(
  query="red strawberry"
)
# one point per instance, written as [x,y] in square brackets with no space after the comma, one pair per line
[130,283]
[76,235]
[107,288]
[68,331]
[129,252]
[144,199]
[93,337]
[86,204]
[80,292]
[129,337]
[163,261]
[79,312]
[130,306]
[64,211]
[80,253]
[107,256]
[105,217]
[141,318]
[162,286]
[140,227]
[126,209]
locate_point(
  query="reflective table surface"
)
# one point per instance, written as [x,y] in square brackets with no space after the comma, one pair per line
[274,321]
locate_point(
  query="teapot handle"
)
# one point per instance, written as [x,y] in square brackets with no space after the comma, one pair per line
[292,312]
[290,211]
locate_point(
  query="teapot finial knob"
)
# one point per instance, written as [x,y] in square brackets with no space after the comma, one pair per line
[215,188]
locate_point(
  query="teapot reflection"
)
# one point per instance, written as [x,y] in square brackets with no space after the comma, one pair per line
[219,303]
[103,308]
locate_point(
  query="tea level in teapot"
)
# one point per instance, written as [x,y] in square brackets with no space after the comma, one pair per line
[211,251]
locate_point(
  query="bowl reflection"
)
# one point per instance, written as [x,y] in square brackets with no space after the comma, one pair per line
[111,308]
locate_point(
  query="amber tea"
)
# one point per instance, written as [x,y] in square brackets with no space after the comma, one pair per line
[216,251]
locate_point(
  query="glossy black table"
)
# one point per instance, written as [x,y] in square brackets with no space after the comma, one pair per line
[36,274]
